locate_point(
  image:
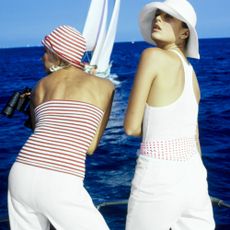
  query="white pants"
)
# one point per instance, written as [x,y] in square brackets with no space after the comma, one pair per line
[169,194]
[38,196]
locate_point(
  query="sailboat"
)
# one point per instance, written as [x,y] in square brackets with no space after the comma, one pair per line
[100,38]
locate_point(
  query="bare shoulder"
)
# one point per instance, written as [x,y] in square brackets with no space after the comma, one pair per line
[40,85]
[108,84]
[155,57]
[38,91]
[154,53]
[103,84]
[102,93]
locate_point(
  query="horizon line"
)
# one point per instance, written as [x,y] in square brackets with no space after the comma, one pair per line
[137,41]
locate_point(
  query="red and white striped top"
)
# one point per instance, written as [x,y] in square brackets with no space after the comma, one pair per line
[63,133]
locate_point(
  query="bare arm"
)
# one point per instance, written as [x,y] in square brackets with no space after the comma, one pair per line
[196,89]
[32,116]
[145,75]
[102,125]
[32,107]
[35,99]
[198,140]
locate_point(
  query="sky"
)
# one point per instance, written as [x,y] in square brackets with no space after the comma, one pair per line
[25,22]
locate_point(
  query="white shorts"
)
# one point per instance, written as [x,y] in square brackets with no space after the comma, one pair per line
[39,196]
[169,194]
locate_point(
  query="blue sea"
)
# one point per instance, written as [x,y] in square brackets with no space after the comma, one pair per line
[111,168]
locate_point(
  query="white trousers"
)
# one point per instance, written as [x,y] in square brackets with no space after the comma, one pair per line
[38,196]
[169,194]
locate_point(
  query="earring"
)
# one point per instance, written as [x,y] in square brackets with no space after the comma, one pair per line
[55,68]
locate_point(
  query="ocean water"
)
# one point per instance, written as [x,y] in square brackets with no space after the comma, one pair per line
[111,168]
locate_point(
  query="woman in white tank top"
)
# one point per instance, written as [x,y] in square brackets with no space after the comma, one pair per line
[169,188]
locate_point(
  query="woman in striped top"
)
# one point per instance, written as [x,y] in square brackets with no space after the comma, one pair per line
[70,110]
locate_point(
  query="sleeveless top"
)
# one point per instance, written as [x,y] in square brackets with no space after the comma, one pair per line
[63,133]
[169,131]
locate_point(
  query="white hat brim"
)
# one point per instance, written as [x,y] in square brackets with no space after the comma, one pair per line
[145,22]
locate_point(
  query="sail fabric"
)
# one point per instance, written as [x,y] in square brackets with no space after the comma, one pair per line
[99,39]
[93,24]
[105,53]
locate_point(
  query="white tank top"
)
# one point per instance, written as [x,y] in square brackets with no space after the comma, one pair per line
[176,120]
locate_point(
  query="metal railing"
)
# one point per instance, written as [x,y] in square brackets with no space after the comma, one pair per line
[215,202]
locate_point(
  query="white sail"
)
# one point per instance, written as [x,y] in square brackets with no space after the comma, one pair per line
[101,36]
[99,39]
[93,23]
[105,53]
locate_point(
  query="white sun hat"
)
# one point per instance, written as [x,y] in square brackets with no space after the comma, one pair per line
[180,9]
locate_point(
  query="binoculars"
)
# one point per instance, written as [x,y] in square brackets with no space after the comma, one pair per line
[19,101]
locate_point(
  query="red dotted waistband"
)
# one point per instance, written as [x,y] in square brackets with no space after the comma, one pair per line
[181,149]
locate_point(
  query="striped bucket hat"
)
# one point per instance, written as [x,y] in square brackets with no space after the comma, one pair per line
[67,43]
